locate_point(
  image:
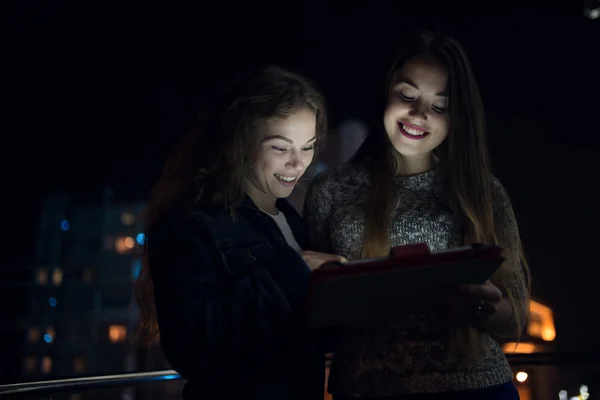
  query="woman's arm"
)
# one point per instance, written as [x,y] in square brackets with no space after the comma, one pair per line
[510,318]
[485,306]
[503,323]
[489,306]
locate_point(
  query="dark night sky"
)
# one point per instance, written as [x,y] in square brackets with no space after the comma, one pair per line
[99,96]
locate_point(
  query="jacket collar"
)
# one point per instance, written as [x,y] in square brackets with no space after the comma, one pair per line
[291,215]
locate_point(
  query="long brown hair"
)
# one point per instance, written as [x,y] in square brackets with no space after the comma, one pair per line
[210,164]
[464,171]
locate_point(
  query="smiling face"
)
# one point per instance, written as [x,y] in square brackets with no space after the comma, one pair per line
[287,149]
[416,118]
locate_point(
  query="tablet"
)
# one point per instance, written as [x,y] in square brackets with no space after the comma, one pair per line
[361,292]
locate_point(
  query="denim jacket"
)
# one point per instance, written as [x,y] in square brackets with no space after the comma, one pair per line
[230,297]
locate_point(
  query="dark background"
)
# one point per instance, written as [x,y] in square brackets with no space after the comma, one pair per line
[98,94]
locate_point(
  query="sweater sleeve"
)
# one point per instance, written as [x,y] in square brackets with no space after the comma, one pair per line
[507,232]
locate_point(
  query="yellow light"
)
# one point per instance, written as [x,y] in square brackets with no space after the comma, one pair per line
[124,244]
[129,243]
[57,276]
[34,334]
[46,365]
[127,218]
[541,322]
[117,333]
[29,363]
[521,348]
[79,365]
[548,333]
[42,276]
[522,376]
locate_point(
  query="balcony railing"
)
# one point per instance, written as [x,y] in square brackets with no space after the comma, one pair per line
[46,389]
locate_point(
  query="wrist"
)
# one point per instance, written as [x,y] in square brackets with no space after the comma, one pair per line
[502,321]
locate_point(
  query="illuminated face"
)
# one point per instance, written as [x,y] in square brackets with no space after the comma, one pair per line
[416,118]
[287,149]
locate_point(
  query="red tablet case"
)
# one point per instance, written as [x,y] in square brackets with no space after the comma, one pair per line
[360,292]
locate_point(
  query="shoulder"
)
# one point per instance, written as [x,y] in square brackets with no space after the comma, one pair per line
[497,186]
[346,176]
[198,223]
[504,214]
[500,194]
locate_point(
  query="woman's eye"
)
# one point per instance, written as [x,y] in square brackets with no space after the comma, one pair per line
[405,97]
[439,109]
[280,149]
[310,148]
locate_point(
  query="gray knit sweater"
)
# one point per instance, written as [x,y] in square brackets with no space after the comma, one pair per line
[408,355]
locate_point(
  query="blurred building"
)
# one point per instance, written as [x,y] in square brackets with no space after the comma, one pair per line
[82,318]
[538,337]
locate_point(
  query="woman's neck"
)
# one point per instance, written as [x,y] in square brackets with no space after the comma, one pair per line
[261,199]
[414,165]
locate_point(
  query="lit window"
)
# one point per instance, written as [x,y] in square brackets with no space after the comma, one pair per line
[42,276]
[46,365]
[124,244]
[64,225]
[57,276]
[519,348]
[50,335]
[29,364]
[140,238]
[87,275]
[79,365]
[52,302]
[34,335]
[117,333]
[127,218]
[541,322]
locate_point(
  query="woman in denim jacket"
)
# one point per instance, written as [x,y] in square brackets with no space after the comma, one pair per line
[225,274]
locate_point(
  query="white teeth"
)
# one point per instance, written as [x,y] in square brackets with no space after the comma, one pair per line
[286,178]
[412,131]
